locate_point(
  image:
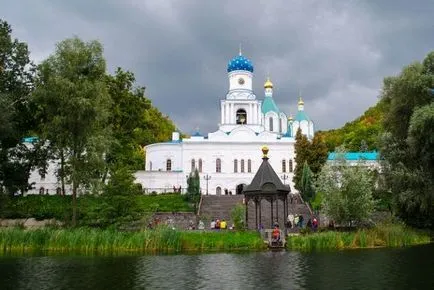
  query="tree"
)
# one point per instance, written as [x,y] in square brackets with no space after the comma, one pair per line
[193,188]
[127,118]
[318,154]
[346,191]
[301,155]
[73,110]
[367,127]
[407,144]
[307,190]
[16,119]
[314,153]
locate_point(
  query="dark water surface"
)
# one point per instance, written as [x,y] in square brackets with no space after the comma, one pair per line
[409,268]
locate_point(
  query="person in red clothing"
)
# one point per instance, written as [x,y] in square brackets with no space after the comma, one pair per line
[276,234]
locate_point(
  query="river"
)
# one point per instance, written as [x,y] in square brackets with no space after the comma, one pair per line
[403,268]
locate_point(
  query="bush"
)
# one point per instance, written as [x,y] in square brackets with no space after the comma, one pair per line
[238,215]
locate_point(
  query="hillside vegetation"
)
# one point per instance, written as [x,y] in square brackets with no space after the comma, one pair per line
[363,130]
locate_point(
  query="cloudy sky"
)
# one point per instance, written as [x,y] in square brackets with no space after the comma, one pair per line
[335,52]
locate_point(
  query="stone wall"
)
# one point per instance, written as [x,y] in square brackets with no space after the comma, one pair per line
[29,223]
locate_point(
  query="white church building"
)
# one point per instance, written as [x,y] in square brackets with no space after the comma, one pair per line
[228,158]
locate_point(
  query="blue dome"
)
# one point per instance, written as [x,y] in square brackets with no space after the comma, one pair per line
[240,63]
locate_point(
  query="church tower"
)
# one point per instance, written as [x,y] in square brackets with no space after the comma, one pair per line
[303,121]
[240,107]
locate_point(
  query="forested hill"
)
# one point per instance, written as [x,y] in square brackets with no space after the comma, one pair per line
[364,129]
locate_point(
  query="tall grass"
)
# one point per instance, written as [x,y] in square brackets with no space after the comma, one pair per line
[218,241]
[386,235]
[89,241]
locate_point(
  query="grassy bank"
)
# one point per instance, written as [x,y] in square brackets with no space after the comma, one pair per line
[59,207]
[85,240]
[387,235]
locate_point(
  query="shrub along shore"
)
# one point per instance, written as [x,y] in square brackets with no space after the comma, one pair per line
[385,235]
[165,240]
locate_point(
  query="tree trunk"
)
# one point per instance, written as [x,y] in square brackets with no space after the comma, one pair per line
[74,203]
[62,171]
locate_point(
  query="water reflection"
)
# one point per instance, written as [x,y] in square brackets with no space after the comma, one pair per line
[366,269]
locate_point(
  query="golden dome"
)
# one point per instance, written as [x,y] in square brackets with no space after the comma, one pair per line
[268,84]
[300,101]
[264,151]
[290,118]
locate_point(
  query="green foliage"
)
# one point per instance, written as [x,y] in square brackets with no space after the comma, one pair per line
[238,216]
[164,202]
[193,188]
[347,191]
[38,207]
[90,241]
[317,202]
[16,84]
[364,130]
[134,121]
[314,154]
[307,188]
[407,144]
[301,155]
[385,235]
[73,108]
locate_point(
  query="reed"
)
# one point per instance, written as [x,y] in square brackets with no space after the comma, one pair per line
[90,241]
[221,241]
[385,235]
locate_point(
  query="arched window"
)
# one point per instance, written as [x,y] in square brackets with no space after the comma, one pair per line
[290,165]
[200,165]
[270,121]
[168,165]
[249,165]
[218,190]
[280,126]
[242,165]
[41,190]
[241,116]
[283,165]
[218,165]
[193,165]
[235,165]
[150,165]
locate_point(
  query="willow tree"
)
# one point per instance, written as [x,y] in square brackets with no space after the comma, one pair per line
[73,110]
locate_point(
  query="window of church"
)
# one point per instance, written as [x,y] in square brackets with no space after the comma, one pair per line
[280,126]
[249,165]
[270,121]
[290,165]
[235,165]
[168,165]
[150,165]
[283,165]
[200,165]
[218,165]
[218,190]
[242,165]
[193,165]
[241,116]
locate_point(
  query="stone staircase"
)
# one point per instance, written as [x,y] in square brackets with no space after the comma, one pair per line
[220,207]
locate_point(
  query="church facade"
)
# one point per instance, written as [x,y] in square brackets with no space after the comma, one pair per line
[228,158]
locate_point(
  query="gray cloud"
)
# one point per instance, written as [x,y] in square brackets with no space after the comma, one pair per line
[335,52]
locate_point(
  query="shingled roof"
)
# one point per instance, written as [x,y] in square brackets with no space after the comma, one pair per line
[266,180]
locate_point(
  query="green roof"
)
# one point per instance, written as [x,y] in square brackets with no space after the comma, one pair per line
[269,105]
[301,116]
